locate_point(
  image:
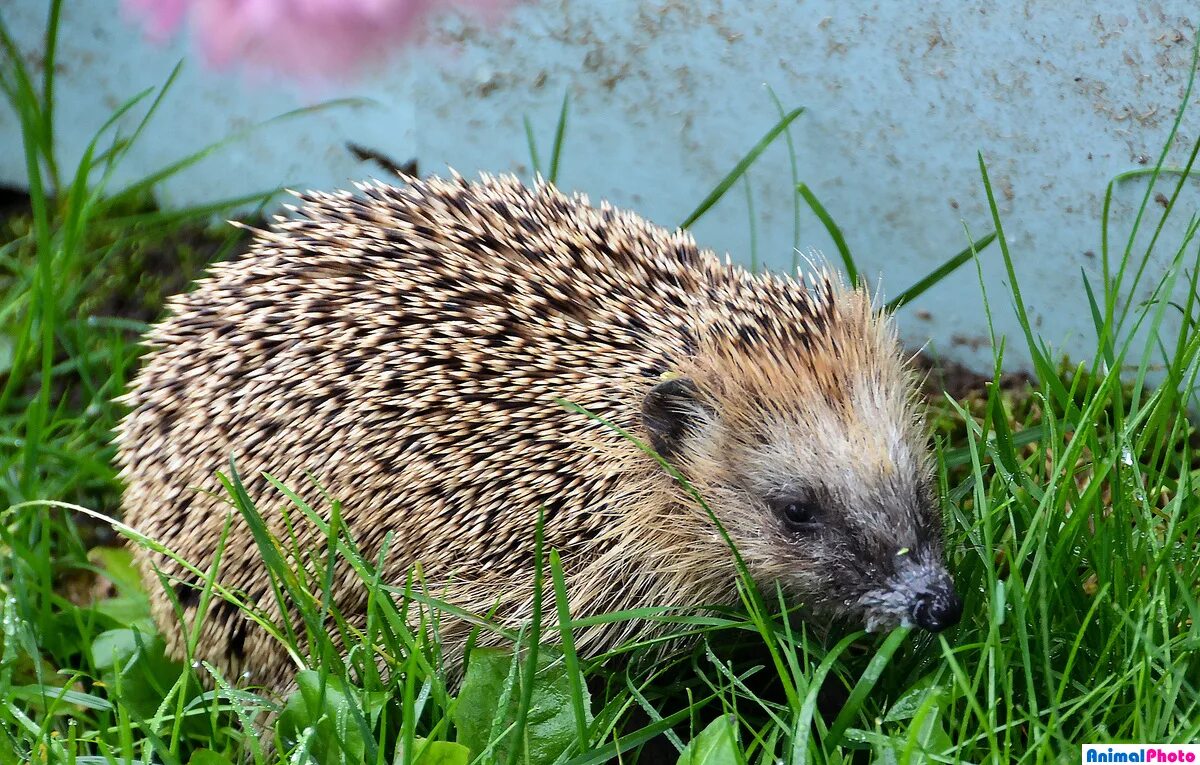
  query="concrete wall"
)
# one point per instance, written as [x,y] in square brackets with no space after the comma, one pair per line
[667,95]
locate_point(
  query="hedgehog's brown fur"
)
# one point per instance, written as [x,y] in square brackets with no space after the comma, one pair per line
[405,347]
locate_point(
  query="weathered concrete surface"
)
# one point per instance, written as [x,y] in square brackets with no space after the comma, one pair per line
[666,95]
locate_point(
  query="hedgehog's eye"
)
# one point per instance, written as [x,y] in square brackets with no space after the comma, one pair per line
[799,514]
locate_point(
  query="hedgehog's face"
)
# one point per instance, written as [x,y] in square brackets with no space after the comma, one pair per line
[832,500]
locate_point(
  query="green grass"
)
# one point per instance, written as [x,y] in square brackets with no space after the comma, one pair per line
[1071,512]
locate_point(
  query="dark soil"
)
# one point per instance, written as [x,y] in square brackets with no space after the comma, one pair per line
[945,376]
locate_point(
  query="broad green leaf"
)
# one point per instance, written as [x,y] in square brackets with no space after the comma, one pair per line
[933,736]
[481,691]
[208,757]
[926,733]
[118,566]
[715,745]
[884,751]
[906,707]
[550,725]
[113,648]
[129,610]
[333,713]
[435,753]
[134,668]
[551,716]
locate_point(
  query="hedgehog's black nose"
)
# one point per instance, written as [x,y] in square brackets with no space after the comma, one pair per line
[937,610]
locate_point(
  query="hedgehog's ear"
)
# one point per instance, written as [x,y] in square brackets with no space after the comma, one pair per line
[669,411]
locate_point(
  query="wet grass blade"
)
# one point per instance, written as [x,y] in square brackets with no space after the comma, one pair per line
[866,682]
[571,659]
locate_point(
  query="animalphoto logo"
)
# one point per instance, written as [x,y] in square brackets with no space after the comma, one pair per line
[1141,753]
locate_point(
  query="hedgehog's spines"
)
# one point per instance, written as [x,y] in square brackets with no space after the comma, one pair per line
[406,345]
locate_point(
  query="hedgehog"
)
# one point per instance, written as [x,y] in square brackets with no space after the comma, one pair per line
[411,348]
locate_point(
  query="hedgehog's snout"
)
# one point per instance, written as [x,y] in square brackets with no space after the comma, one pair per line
[938,608]
[920,593]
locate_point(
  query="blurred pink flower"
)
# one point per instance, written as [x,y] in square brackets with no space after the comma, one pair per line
[305,39]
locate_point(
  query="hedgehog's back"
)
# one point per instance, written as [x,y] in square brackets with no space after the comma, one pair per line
[405,347]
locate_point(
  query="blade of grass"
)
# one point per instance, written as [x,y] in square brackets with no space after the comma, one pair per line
[149,181]
[50,56]
[740,168]
[753,224]
[560,131]
[571,659]
[1043,367]
[935,276]
[795,168]
[535,638]
[835,233]
[533,152]
[863,687]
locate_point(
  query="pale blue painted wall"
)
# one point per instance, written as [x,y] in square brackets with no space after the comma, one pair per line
[666,95]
